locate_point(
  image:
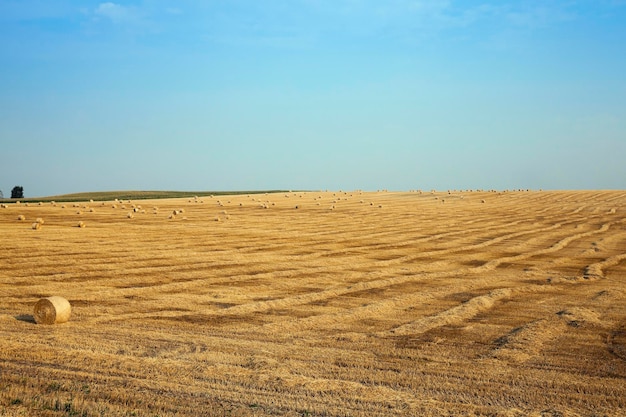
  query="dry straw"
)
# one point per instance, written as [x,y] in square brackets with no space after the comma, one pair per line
[52,310]
[21,217]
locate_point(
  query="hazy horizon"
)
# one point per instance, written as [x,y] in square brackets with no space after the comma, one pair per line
[240,95]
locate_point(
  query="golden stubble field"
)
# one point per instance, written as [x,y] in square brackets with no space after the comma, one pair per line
[319,304]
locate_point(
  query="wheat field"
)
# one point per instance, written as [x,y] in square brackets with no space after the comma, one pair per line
[459,303]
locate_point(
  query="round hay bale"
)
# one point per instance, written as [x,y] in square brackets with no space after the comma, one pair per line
[52,310]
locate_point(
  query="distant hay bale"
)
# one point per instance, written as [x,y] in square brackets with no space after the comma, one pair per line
[39,220]
[130,215]
[52,310]
[81,224]
[36,226]
[21,217]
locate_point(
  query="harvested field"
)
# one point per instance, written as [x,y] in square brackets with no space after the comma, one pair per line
[388,304]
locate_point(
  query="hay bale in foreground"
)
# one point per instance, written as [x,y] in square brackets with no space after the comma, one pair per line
[52,310]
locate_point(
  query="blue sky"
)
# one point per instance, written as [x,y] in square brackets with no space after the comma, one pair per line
[311,94]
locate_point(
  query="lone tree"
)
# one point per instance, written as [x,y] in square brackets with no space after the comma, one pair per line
[17,192]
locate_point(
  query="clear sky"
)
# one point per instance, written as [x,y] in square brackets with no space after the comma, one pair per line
[312,94]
